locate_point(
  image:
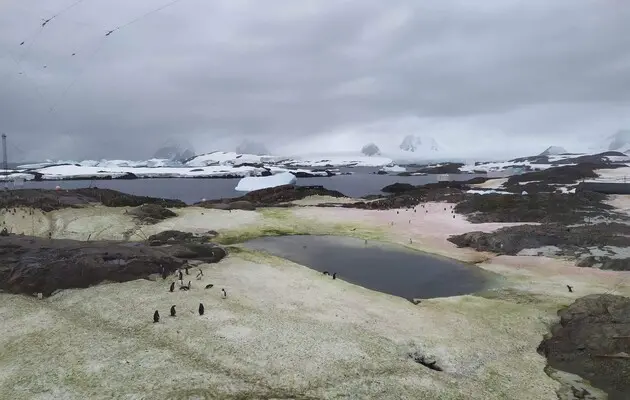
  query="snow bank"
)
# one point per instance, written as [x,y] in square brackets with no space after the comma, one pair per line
[250,184]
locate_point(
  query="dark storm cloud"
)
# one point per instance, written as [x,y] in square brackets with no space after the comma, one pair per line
[214,72]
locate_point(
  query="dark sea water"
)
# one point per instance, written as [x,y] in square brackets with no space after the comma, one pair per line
[361,183]
[385,268]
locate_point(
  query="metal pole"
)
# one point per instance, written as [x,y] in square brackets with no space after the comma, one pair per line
[5,160]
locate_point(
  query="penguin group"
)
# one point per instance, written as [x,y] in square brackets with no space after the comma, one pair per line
[185,287]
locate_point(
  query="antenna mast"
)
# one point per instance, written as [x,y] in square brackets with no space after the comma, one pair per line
[5,160]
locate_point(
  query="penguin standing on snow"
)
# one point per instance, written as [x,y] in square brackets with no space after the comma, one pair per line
[172,287]
[181,275]
[335,275]
[224,293]
[201,309]
[156,317]
[172,311]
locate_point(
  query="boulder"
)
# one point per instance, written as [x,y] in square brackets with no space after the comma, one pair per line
[152,213]
[592,340]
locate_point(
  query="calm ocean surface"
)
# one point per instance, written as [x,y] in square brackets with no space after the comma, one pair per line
[193,190]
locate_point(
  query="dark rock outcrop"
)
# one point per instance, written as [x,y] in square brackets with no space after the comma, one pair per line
[174,237]
[564,175]
[34,265]
[49,200]
[535,207]
[398,188]
[571,242]
[592,341]
[152,213]
[446,168]
[271,197]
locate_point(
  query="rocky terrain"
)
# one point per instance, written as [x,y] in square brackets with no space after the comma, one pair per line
[592,340]
[575,242]
[32,265]
[269,197]
[49,200]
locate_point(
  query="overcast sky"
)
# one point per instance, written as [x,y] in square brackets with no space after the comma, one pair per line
[514,76]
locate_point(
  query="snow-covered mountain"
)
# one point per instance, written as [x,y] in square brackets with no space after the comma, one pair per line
[620,141]
[414,143]
[174,151]
[370,149]
[250,147]
[553,151]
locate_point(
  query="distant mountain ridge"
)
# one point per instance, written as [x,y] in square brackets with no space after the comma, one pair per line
[554,151]
[414,143]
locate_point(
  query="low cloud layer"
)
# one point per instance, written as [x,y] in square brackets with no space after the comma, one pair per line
[507,74]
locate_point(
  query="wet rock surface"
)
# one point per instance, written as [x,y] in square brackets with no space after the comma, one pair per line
[270,197]
[34,265]
[50,200]
[592,340]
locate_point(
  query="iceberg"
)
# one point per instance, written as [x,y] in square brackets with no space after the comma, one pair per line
[251,183]
[394,168]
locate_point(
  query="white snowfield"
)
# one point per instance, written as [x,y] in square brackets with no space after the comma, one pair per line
[251,183]
[220,164]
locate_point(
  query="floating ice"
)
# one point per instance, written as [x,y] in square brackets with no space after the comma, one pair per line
[252,183]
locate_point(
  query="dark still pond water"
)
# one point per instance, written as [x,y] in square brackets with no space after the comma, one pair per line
[378,266]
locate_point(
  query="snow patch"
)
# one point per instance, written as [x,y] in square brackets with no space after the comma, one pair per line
[249,184]
[475,191]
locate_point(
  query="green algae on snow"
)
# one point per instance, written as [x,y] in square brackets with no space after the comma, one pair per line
[282,222]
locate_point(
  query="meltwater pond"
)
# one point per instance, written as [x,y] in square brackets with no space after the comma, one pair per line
[379,266]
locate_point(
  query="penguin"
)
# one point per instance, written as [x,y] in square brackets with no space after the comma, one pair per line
[453,216]
[189,285]
[181,276]
[410,241]
[199,274]
[570,288]
[209,286]
[172,287]
[156,317]
[334,275]
[201,309]
[224,293]
[186,269]
[172,311]
[325,273]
